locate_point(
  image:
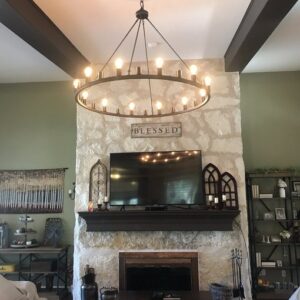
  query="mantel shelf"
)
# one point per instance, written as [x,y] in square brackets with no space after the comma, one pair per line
[169,220]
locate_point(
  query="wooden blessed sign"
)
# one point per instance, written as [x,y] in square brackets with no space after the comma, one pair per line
[156,130]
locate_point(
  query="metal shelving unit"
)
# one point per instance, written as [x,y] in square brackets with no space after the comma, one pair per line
[285,250]
[25,257]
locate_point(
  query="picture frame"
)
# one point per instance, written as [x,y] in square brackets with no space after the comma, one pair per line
[280,213]
[296,186]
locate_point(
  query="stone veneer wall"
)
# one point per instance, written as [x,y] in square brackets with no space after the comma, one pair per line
[216,130]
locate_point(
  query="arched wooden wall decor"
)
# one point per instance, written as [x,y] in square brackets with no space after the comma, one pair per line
[229,189]
[211,182]
[98,184]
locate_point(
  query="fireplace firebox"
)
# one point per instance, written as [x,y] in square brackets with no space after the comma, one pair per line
[158,271]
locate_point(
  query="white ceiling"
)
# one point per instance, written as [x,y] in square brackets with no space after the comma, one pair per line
[196,29]
[19,62]
[281,52]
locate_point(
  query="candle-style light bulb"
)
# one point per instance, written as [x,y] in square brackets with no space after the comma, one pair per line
[76,83]
[184,101]
[202,93]
[119,64]
[159,107]
[131,107]
[159,64]
[193,70]
[207,81]
[88,71]
[84,95]
[104,103]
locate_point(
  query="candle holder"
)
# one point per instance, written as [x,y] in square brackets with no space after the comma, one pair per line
[229,190]
[98,184]
[211,182]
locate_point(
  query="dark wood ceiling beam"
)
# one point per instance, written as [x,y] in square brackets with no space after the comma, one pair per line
[30,23]
[260,20]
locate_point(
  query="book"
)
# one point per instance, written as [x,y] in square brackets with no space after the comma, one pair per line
[268,264]
[266,196]
[258,259]
[255,191]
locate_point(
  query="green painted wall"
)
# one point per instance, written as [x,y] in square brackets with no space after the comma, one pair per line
[270,106]
[38,130]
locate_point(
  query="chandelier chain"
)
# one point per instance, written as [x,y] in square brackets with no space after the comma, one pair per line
[142,3]
[134,47]
[147,60]
[174,51]
[124,38]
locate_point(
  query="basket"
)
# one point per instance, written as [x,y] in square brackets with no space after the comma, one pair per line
[220,292]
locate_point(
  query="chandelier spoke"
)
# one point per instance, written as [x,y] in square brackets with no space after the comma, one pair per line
[124,38]
[148,71]
[165,40]
[134,46]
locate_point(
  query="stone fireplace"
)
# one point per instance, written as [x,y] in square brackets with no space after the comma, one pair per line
[216,130]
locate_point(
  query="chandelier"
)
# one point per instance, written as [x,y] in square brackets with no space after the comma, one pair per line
[109,96]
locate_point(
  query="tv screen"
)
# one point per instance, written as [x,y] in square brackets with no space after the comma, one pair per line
[156,178]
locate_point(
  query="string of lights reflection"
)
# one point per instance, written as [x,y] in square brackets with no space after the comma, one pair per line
[159,158]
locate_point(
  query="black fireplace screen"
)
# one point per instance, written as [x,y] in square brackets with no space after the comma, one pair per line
[158,278]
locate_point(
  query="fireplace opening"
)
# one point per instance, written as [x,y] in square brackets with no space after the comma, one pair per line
[158,278]
[158,271]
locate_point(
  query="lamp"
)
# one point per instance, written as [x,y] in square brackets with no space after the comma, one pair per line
[91,93]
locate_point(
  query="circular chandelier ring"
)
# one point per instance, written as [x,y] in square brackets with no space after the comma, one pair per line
[92,106]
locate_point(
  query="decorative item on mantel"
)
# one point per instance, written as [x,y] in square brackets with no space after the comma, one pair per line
[92,92]
[32,191]
[98,186]
[211,184]
[220,190]
[229,191]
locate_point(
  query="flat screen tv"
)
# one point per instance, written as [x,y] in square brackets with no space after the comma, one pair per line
[156,178]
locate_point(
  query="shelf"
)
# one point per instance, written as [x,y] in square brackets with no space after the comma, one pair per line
[273,198]
[25,233]
[12,273]
[279,268]
[277,244]
[168,220]
[274,220]
[270,174]
[274,295]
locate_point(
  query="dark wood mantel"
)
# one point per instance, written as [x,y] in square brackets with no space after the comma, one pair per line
[169,220]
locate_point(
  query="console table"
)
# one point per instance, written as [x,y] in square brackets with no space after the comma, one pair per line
[25,258]
[132,295]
